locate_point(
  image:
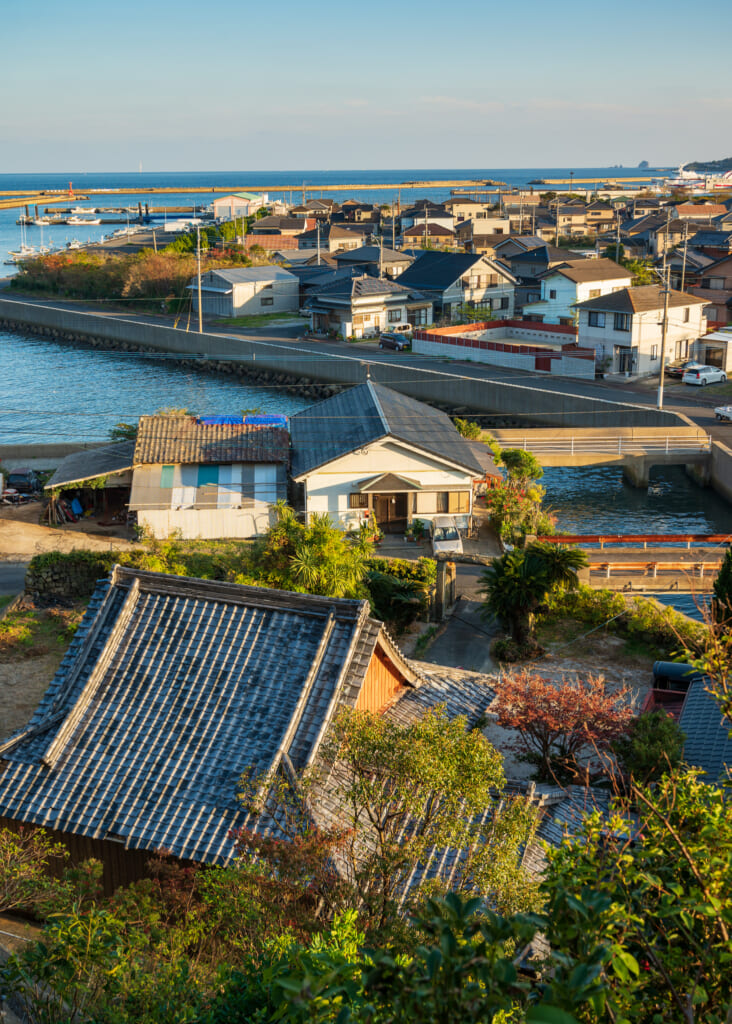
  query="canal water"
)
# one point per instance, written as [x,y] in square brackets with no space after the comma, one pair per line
[56,392]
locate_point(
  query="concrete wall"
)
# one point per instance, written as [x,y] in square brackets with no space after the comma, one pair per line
[720,475]
[440,387]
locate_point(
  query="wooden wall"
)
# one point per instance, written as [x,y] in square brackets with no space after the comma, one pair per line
[383,681]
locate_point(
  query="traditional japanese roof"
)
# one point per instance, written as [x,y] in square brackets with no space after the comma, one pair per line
[360,287]
[173,688]
[439,270]
[708,742]
[92,463]
[385,483]
[372,254]
[639,300]
[366,413]
[583,270]
[177,440]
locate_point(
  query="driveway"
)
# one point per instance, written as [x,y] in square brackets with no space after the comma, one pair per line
[12,578]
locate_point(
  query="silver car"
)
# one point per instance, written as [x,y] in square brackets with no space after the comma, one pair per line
[704,375]
[446,536]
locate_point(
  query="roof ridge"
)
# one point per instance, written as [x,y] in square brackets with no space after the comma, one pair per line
[377,403]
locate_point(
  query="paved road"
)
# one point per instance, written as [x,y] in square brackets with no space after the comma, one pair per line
[678,397]
[465,640]
[12,578]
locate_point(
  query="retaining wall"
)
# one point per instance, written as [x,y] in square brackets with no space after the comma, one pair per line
[295,364]
[720,470]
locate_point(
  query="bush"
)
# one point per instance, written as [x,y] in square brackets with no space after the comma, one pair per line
[652,746]
[399,590]
[469,429]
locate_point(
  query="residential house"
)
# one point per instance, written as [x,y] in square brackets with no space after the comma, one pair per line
[320,209]
[571,220]
[429,235]
[281,226]
[171,691]
[240,204]
[463,208]
[599,217]
[334,237]
[701,213]
[713,243]
[711,281]
[425,212]
[508,247]
[375,259]
[625,327]
[567,284]
[243,291]
[208,477]
[354,212]
[527,266]
[644,207]
[361,306]
[453,279]
[471,241]
[372,453]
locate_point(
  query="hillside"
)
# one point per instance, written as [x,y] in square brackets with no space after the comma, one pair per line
[710,166]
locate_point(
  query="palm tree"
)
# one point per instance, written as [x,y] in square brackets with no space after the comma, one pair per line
[517,584]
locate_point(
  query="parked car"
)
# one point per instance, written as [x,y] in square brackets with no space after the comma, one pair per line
[704,375]
[724,412]
[679,366]
[25,481]
[446,536]
[396,341]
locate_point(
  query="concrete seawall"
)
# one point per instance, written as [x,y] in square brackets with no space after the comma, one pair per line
[445,387]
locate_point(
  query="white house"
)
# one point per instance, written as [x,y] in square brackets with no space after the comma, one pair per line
[563,286]
[246,291]
[240,204]
[362,306]
[453,279]
[371,453]
[625,328]
[207,478]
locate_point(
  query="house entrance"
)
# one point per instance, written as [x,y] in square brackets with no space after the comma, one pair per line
[625,360]
[390,512]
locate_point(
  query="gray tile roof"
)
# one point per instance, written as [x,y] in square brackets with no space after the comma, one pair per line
[94,462]
[372,254]
[172,688]
[366,413]
[179,440]
[360,287]
[639,300]
[708,743]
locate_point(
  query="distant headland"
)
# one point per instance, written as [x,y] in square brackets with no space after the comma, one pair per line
[711,166]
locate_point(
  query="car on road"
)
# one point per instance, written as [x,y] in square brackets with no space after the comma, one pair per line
[679,366]
[390,339]
[724,412]
[704,375]
[446,536]
[25,481]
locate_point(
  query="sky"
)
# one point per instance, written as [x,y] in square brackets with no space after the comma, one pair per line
[99,86]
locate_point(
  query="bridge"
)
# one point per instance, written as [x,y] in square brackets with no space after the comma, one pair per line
[636,449]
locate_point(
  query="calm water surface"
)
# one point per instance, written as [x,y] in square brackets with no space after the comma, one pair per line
[53,392]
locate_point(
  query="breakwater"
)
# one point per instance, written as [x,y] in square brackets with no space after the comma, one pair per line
[315,373]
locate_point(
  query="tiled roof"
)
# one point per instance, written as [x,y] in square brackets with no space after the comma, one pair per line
[581,271]
[372,253]
[708,744]
[172,688]
[440,270]
[366,413]
[360,287]
[639,300]
[95,462]
[182,439]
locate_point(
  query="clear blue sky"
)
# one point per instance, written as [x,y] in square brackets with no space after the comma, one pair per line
[96,86]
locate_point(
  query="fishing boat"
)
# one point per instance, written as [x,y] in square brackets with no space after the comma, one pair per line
[83,220]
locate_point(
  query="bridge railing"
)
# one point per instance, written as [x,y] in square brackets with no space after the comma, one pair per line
[609,445]
[656,539]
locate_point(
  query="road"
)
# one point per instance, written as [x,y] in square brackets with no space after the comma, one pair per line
[680,398]
[12,578]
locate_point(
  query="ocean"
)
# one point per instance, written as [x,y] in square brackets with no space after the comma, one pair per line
[315,182]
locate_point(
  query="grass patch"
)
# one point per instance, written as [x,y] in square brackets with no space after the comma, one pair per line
[424,641]
[5,601]
[256,319]
[30,634]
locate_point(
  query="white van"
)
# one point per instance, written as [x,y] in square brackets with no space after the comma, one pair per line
[401,328]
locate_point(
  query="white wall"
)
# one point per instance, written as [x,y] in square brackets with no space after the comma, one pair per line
[564,367]
[567,294]
[645,334]
[192,523]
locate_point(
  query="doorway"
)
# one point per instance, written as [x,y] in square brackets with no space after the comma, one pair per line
[390,512]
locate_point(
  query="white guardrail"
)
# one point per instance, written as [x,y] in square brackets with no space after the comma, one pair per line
[607,445]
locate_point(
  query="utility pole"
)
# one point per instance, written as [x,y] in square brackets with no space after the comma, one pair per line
[664,328]
[381,259]
[617,241]
[556,232]
[393,227]
[683,262]
[317,229]
[198,264]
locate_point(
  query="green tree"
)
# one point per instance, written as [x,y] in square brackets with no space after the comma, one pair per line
[722,588]
[652,746]
[642,271]
[517,584]
[123,432]
[521,467]
[467,428]
[614,252]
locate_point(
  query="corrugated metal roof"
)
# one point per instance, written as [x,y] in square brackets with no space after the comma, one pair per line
[95,462]
[366,413]
[170,691]
[182,440]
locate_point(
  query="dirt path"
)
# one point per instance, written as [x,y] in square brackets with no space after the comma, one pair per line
[21,540]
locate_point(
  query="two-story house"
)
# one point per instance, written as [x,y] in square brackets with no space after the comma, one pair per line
[566,284]
[625,328]
[452,280]
[360,307]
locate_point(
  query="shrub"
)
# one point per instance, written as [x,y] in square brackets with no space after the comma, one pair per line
[468,428]
[652,746]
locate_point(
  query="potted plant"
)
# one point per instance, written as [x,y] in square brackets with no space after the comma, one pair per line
[419,530]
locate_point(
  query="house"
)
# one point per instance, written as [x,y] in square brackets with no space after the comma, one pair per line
[245,291]
[470,234]
[453,279]
[708,734]
[625,327]
[514,244]
[372,453]
[208,477]
[703,213]
[101,477]
[566,284]
[599,217]
[527,266]
[283,226]
[426,212]
[321,209]
[709,279]
[240,204]
[430,234]
[715,243]
[361,306]
[571,220]
[334,237]
[375,259]
[172,689]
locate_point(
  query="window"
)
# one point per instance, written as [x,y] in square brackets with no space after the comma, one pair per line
[395,316]
[594,293]
[358,501]
[716,283]
[265,483]
[654,352]
[621,322]
[458,501]
[230,486]
[267,302]
[504,302]
[552,293]
[166,477]
[443,498]
[596,319]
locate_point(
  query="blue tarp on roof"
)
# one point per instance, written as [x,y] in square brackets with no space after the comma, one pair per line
[213,421]
[266,421]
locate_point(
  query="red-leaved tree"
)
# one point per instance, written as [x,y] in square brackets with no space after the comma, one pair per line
[559,725]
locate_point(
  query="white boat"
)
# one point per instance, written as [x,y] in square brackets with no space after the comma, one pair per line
[26,252]
[39,221]
[686,179]
[83,220]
